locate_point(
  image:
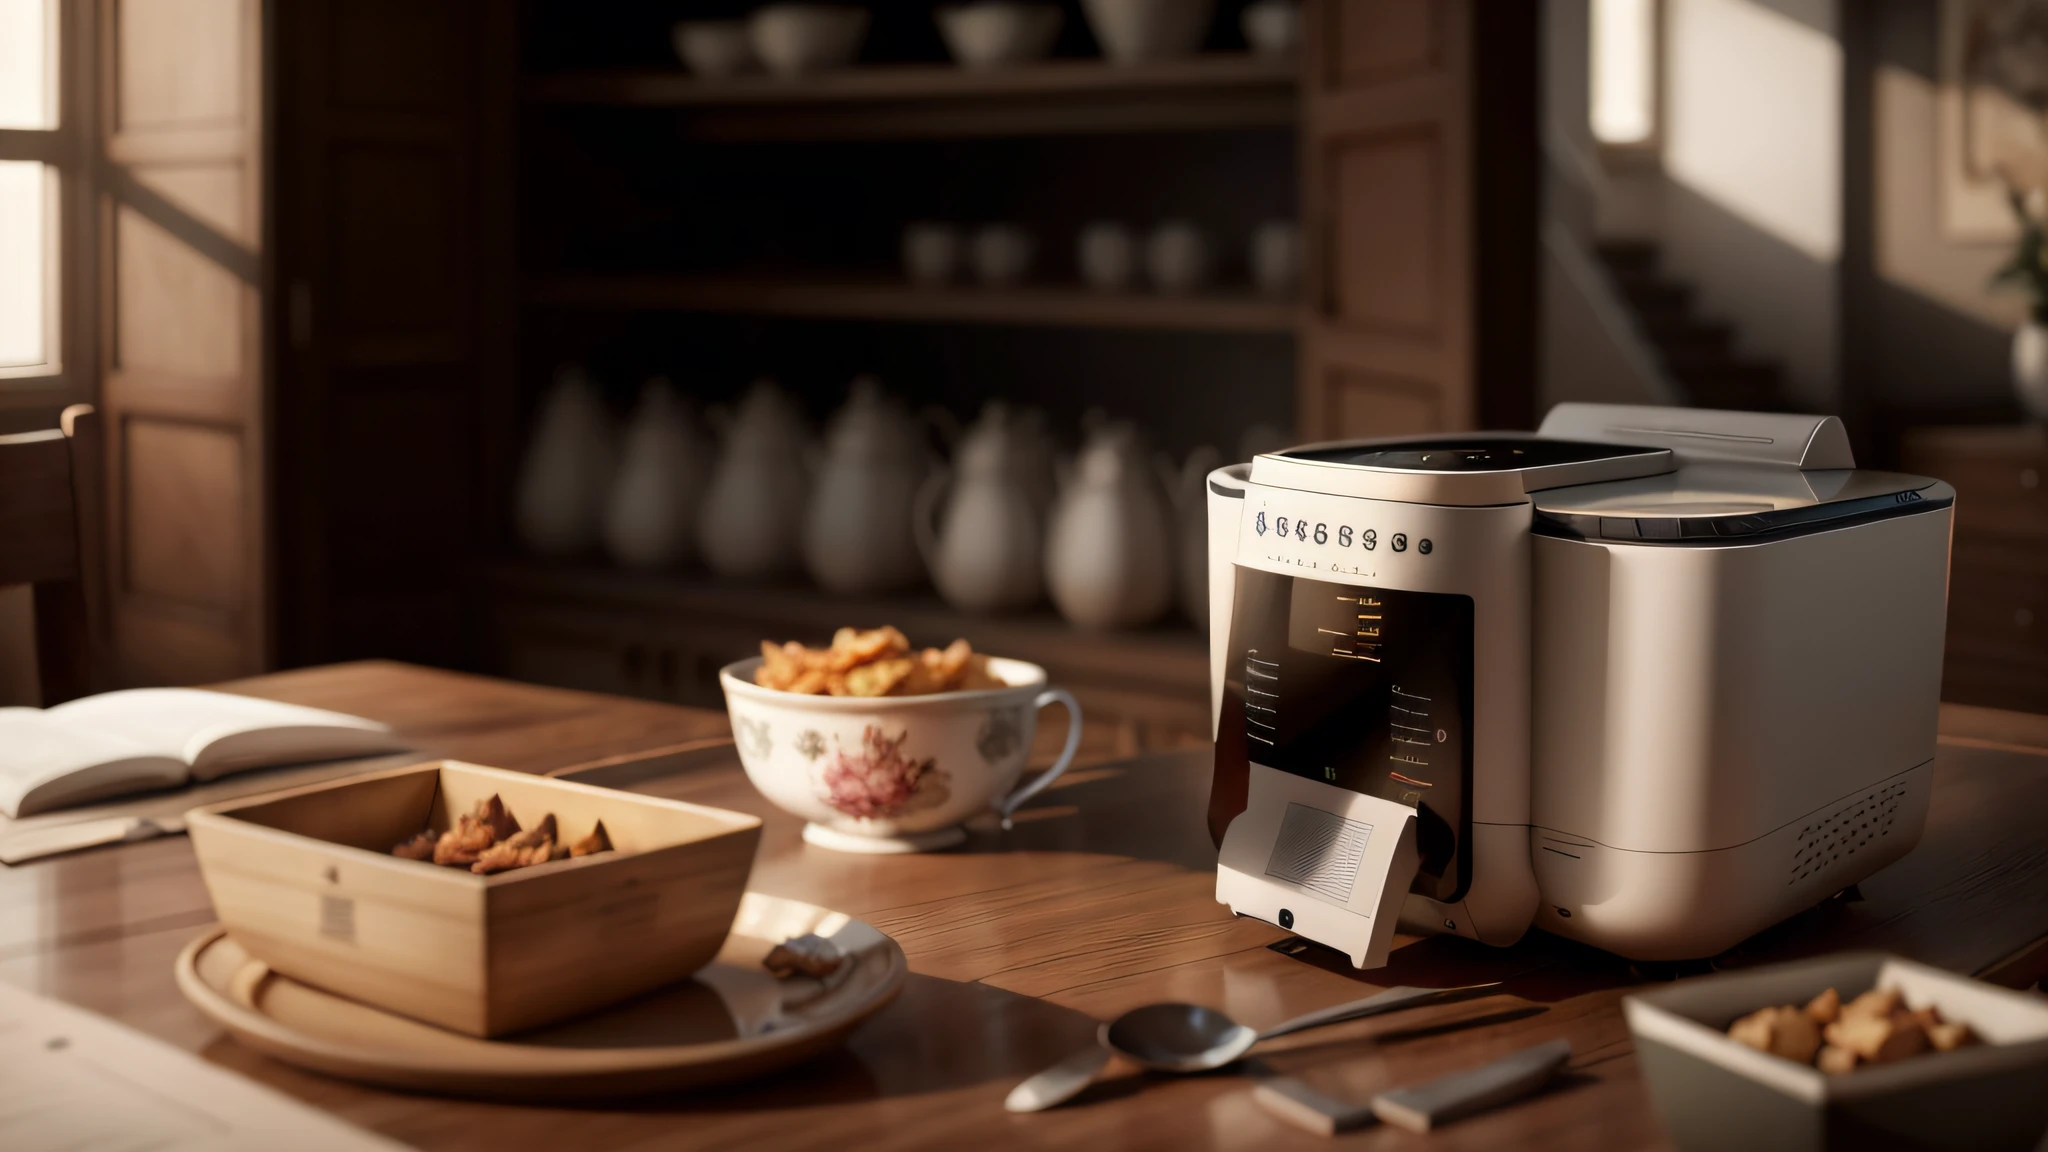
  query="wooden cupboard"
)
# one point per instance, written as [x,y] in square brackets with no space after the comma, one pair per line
[397,217]
[1998,568]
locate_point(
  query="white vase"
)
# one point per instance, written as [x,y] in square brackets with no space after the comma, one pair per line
[566,474]
[1109,557]
[749,525]
[857,538]
[666,466]
[2030,368]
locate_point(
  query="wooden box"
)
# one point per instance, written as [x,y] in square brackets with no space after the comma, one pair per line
[304,881]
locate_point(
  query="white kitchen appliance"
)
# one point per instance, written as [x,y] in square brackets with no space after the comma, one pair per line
[1650,678]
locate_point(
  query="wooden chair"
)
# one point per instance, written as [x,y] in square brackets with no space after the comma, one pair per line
[49,539]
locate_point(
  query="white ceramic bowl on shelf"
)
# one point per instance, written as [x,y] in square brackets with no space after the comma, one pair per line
[1273,27]
[1276,258]
[1002,255]
[1177,257]
[1107,254]
[992,35]
[931,252]
[799,39]
[1131,31]
[715,49]
[894,774]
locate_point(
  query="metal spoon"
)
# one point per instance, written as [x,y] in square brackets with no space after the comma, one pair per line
[1191,1038]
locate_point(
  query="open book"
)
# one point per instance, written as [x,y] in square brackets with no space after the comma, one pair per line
[149,738]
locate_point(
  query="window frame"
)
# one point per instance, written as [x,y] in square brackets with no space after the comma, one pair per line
[1649,151]
[68,376]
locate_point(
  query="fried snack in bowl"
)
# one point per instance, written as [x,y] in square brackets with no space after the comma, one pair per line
[874,662]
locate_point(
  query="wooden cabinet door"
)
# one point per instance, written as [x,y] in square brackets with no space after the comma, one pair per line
[1388,346]
[183,394]
[395,275]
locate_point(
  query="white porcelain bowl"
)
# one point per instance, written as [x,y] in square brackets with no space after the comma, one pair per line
[1177,257]
[1003,254]
[715,49]
[931,252]
[1273,27]
[798,39]
[1275,258]
[894,773]
[1136,30]
[992,35]
[1107,254]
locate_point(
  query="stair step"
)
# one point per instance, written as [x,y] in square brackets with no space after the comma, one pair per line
[1646,293]
[1628,255]
[1685,335]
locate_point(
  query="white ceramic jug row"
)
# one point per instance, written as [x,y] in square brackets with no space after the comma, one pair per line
[1117,537]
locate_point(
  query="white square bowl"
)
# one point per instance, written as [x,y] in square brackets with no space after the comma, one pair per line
[1713,1093]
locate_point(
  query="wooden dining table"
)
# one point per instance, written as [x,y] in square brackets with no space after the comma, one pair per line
[1101,898]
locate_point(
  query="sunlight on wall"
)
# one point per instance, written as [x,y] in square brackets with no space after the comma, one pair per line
[1624,54]
[1753,120]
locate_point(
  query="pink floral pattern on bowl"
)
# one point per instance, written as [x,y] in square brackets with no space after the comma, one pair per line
[881,782]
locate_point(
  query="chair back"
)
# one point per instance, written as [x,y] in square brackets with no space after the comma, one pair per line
[49,485]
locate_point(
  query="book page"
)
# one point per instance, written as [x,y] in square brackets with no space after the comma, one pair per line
[45,764]
[70,1080]
[218,732]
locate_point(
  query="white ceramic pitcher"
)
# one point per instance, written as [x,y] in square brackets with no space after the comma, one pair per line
[857,535]
[1110,559]
[566,473]
[980,524]
[749,525]
[651,518]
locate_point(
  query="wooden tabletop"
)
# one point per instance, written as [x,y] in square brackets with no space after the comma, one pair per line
[1101,899]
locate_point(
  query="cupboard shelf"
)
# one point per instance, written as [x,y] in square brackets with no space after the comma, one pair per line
[1054,97]
[665,635]
[879,299]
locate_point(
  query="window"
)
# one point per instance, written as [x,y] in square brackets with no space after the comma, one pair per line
[36,160]
[1624,72]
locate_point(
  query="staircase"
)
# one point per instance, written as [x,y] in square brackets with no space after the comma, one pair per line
[1698,354]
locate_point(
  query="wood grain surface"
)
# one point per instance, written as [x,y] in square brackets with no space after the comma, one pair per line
[1102,898]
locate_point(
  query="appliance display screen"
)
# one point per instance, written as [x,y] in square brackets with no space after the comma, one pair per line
[1368,689]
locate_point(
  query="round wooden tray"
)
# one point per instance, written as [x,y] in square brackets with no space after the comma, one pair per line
[730,1021]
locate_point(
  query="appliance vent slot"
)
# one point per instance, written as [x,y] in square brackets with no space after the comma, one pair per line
[1832,837]
[1319,851]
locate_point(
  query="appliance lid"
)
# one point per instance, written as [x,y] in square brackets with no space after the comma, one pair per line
[1482,468]
[1482,453]
[1712,502]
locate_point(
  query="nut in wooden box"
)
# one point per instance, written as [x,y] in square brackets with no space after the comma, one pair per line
[305,882]
[1712,1092]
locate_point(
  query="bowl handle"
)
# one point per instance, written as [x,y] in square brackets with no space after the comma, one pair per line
[1015,800]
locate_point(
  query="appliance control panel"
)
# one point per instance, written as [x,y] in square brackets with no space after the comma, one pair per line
[1365,688]
[1346,538]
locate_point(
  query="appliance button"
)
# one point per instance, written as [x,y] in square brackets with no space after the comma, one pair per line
[1424,546]
[1400,541]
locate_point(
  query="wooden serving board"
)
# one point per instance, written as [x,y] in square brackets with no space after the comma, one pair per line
[731,1021]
